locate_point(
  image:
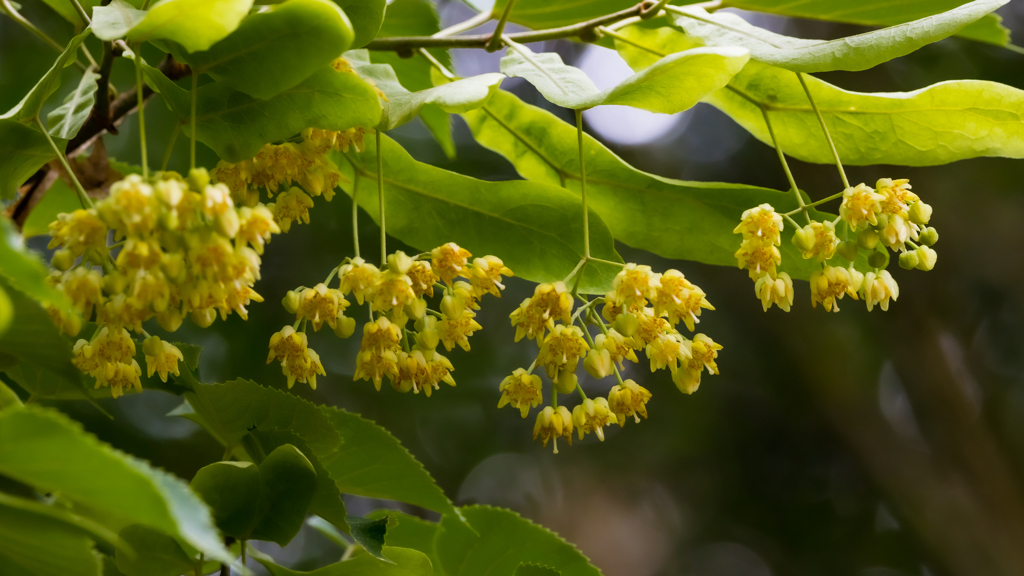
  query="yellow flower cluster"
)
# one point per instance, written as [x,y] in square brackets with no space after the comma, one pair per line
[397,296]
[888,216]
[182,248]
[639,313]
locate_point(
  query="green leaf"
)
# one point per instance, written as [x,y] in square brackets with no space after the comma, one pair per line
[30,106]
[672,218]
[527,569]
[406,563]
[274,50]
[287,483]
[504,540]
[402,106]
[102,484]
[852,53]
[8,399]
[36,342]
[195,24]
[410,532]
[114,20]
[417,18]
[153,553]
[37,545]
[370,533]
[880,13]
[24,269]
[24,150]
[366,17]
[231,490]
[66,120]
[540,14]
[673,84]
[58,198]
[537,229]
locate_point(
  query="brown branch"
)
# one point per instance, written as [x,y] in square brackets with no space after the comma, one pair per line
[102,108]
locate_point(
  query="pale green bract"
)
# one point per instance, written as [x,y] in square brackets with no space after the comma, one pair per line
[195,24]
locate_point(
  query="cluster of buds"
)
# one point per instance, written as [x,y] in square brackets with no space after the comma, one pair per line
[182,248]
[640,313]
[401,338]
[889,216]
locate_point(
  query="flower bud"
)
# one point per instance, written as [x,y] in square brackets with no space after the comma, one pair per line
[344,326]
[878,259]
[848,250]
[228,223]
[204,317]
[427,335]
[926,258]
[598,363]
[929,236]
[198,178]
[566,381]
[399,262]
[170,319]
[908,260]
[416,309]
[252,198]
[883,221]
[626,324]
[920,213]
[114,283]
[291,301]
[868,239]
[452,307]
[803,238]
[63,260]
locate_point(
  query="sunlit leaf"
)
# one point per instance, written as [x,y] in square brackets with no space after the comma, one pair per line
[406,563]
[195,24]
[67,119]
[366,17]
[114,20]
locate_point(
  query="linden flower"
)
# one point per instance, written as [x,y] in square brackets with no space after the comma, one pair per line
[113,345]
[381,334]
[598,362]
[321,304]
[761,223]
[375,365]
[649,328]
[667,350]
[305,370]
[359,278]
[84,288]
[592,416]
[633,286]
[619,347]
[139,255]
[422,370]
[291,206]
[562,349]
[860,206]
[485,276]
[679,299]
[287,345]
[255,226]
[120,375]
[422,277]
[78,231]
[879,289]
[454,332]
[120,311]
[896,195]
[550,302]
[897,231]
[758,258]
[830,285]
[150,291]
[161,357]
[628,399]
[130,209]
[553,423]
[86,359]
[817,240]
[704,351]
[391,293]
[521,390]
[449,261]
[777,291]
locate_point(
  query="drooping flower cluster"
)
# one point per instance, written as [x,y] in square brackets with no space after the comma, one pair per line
[639,314]
[182,249]
[888,216]
[401,339]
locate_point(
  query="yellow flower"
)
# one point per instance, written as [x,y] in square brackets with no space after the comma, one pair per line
[897,231]
[376,364]
[428,334]
[679,299]
[150,292]
[704,351]
[84,287]
[120,375]
[139,255]
[592,416]
[562,349]
[422,277]
[549,302]
[598,362]
[553,423]
[287,345]
[161,357]
[633,286]
[454,332]
[649,328]
[86,360]
[817,240]
[391,293]
[831,284]
[449,261]
[359,277]
[860,207]
[381,334]
[761,224]
[305,370]
[485,276]
[879,289]
[321,304]
[131,208]
[896,195]
[291,206]
[422,370]
[255,226]
[628,399]
[119,311]
[619,347]
[759,259]
[778,291]
[521,390]
[667,350]
[78,231]
[114,345]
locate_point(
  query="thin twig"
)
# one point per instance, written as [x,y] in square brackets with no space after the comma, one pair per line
[170,147]
[142,111]
[81,12]
[583,185]
[436,64]
[478,20]
[785,165]
[380,198]
[496,37]
[82,196]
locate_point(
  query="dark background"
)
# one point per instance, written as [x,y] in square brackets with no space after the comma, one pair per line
[869,444]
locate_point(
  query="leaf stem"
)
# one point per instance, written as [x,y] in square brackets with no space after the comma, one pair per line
[815,203]
[81,12]
[496,37]
[821,121]
[436,64]
[170,147]
[192,147]
[632,43]
[583,185]
[142,110]
[575,270]
[785,165]
[478,20]
[355,212]
[82,196]
[380,200]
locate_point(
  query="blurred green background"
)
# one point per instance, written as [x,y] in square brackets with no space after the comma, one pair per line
[878,444]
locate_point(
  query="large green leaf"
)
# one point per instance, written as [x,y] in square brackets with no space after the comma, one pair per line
[405,562]
[231,490]
[38,345]
[24,269]
[402,106]
[24,150]
[110,487]
[409,531]
[417,18]
[38,545]
[537,229]
[540,14]
[527,569]
[67,119]
[503,541]
[880,13]
[30,106]
[672,218]
[852,53]
[274,50]
[672,84]
[114,20]
[366,17]
[287,483]
[195,24]
[153,553]
[236,125]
